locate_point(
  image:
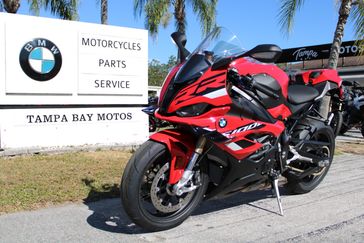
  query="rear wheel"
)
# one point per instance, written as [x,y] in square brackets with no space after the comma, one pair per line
[310,182]
[146,194]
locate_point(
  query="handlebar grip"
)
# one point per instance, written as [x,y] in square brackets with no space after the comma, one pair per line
[264,90]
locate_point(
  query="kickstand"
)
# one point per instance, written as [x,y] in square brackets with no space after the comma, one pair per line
[276,192]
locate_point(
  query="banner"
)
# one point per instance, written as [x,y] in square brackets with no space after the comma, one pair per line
[306,53]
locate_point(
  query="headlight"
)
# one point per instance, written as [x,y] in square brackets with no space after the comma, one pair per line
[193,110]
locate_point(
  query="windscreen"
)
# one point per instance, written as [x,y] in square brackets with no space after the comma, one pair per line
[220,43]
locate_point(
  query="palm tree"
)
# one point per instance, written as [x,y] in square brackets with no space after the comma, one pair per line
[11,6]
[159,12]
[65,9]
[348,8]
[104,12]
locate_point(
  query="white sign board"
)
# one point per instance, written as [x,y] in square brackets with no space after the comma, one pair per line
[51,61]
[29,128]
[66,83]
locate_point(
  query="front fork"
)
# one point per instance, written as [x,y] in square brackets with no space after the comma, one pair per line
[183,184]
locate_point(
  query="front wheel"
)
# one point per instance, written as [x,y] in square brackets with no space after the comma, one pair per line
[146,194]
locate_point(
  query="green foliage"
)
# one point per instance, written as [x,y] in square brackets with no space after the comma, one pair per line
[289,8]
[158,71]
[159,12]
[287,12]
[354,9]
[65,9]
[357,17]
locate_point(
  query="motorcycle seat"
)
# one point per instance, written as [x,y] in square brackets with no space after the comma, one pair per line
[299,94]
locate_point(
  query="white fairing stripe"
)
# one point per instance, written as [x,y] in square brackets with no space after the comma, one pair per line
[242,93]
[233,146]
[216,93]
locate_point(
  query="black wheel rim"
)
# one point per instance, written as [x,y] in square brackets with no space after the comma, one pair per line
[324,151]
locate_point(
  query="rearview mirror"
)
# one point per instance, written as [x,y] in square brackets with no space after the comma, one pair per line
[265,53]
[180,40]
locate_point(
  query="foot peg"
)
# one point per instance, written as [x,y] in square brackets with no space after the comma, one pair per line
[278,196]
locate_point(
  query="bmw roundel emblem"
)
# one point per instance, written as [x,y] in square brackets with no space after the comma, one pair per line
[222,122]
[40,59]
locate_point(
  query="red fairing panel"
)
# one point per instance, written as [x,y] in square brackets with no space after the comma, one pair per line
[246,67]
[326,75]
[180,146]
[280,111]
[206,120]
[210,89]
[237,131]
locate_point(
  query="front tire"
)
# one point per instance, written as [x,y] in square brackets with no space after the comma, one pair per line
[145,193]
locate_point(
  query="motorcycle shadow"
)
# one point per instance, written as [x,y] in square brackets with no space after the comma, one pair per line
[109,215]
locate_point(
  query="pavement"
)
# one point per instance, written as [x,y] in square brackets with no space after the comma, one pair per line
[333,212]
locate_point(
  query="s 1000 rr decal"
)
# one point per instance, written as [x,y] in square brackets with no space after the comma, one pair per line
[251,126]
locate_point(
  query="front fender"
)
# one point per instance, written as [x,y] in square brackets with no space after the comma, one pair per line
[180,146]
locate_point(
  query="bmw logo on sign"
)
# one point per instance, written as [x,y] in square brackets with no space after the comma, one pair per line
[40,59]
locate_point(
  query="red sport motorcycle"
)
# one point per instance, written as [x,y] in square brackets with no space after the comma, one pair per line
[239,124]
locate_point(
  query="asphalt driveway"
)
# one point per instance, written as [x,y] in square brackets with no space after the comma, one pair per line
[332,212]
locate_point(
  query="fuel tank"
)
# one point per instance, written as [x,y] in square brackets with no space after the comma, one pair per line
[271,77]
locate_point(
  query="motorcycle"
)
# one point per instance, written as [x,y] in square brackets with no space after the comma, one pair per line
[240,125]
[154,122]
[353,115]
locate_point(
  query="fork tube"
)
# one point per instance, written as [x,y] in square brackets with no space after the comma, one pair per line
[198,151]
[178,188]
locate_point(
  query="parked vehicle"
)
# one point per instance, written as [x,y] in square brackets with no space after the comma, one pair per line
[240,125]
[154,122]
[353,115]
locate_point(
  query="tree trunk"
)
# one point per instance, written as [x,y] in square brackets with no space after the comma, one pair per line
[11,6]
[104,14]
[339,33]
[180,16]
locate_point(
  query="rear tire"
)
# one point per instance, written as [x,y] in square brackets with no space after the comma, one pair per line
[307,184]
[144,190]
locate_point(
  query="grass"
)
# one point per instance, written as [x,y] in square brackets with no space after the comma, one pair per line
[34,181]
[349,148]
